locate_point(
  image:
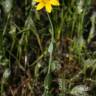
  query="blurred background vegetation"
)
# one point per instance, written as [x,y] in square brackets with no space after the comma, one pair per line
[45,54]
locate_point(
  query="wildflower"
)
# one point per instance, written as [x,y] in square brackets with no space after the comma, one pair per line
[47,4]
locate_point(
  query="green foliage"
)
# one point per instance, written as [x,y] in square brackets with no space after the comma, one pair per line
[45,54]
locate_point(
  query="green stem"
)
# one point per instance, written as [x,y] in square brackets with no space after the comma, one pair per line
[52,29]
[46,92]
[52,41]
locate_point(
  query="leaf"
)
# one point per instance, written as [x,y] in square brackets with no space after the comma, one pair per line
[50,49]
[29,24]
[37,67]
[80,90]
[55,66]
[12,30]
[7,5]
[47,83]
[90,63]
[6,74]
[91,34]
[78,45]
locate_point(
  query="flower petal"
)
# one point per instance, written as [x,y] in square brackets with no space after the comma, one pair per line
[39,6]
[48,7]
[55,2]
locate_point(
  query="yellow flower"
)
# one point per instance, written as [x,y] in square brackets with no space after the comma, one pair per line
[47,4]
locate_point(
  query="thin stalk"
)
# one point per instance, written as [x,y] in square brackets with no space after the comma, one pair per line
[52,28]
[50,58]
[52,41]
